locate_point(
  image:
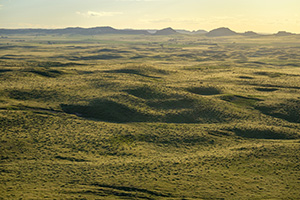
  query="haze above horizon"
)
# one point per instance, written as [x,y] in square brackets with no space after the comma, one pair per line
[264,16]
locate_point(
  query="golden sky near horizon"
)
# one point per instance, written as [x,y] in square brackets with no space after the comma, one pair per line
[263,16]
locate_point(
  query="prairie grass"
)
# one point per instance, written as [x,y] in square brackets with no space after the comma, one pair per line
[125,117]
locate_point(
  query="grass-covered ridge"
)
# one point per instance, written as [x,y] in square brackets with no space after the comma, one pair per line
[149,117]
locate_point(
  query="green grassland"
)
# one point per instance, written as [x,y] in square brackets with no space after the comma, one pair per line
[149,117]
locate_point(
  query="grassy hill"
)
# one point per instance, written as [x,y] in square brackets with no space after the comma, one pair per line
[149,117]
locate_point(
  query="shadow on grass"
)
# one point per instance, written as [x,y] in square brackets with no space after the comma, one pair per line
[288,110]
[261,133]
[98,57]
[240,100]
[145,71]
[110,50]
[147,92]
[124,192]
[131,71]
[266,89]
[5,70]
[246,77]
[105,110]
[46,72]
[32,94]
[205,90]
[12,57]
[130,189]
[165,111]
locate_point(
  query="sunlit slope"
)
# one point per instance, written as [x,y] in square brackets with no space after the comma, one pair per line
[145,93]
[191,119]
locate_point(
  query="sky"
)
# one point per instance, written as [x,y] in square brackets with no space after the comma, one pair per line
[262,16]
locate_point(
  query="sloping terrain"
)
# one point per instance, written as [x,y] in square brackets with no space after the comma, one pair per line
[194,118]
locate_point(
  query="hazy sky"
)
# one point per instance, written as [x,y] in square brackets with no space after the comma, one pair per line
[266,16]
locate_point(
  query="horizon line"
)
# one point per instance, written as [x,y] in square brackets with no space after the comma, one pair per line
[107,26]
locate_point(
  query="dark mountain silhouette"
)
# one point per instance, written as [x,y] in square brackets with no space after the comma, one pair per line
[250,33]
[166,31]
[109,30]
[75,30]
[134,32]
[283,33]
[221,32]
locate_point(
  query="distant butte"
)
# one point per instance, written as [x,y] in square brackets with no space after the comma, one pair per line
[283,33]
[166,31]
[250,33]
[221,32]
